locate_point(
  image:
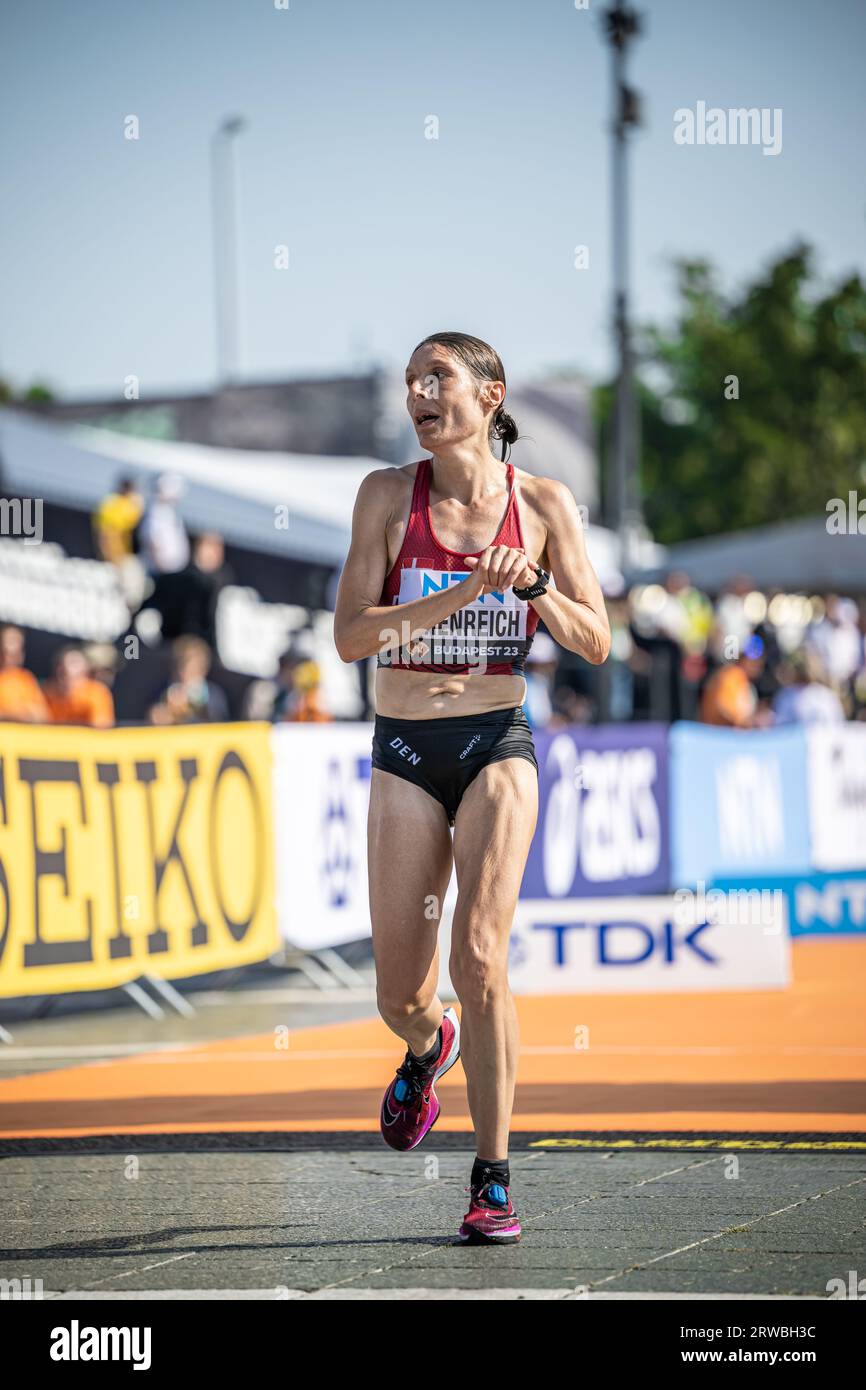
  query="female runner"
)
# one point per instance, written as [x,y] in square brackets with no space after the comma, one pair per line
[452,564]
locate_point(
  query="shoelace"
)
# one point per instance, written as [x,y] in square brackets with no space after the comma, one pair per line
[408,1071]
[478,1193]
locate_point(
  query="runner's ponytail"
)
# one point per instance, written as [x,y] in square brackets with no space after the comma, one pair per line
[504,428]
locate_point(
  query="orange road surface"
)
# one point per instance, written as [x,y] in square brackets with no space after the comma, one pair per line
[790,1060]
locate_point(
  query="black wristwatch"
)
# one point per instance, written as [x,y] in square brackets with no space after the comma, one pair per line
[542,579]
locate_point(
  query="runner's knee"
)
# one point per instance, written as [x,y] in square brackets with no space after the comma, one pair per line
[399,1009]
[479,972]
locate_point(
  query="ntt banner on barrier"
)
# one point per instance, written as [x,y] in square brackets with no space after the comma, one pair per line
[132,851]
[816,904]
[837,795]
[739,802]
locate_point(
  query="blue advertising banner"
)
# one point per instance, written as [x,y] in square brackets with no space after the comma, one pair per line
[739,802]
[603,813]
[817,904]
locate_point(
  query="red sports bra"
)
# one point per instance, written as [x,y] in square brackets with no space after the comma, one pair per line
[492,634]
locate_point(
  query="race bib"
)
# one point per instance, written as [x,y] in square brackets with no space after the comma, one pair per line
[490,629]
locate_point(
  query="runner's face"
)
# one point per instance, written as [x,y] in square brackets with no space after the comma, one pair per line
[441,387]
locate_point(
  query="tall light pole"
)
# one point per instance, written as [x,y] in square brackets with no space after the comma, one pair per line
[225,246]
[623,25]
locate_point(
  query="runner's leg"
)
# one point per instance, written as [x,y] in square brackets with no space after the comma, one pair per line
[409,862]
[493,830]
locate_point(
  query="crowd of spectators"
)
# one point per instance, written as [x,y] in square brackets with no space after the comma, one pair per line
[171,582]
[76,693]
[747,659]
[743,659]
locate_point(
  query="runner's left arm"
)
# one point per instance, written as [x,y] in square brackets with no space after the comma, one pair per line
[574,612]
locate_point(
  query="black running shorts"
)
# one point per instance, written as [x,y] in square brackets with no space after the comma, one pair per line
[443,755]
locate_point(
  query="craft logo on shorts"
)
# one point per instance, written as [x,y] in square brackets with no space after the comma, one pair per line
[476,738]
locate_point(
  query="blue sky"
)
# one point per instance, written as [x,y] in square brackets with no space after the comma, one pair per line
[107,264]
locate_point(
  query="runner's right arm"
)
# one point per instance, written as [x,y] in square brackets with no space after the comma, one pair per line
[362,626]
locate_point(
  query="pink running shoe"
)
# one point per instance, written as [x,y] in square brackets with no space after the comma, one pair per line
[491,1218]
[410,1108]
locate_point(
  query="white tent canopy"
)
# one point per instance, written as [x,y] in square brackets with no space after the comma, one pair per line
[232,491]
[798,556]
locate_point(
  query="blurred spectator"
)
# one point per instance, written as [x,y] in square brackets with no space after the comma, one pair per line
[103,660]
[187,601]
[162,535]
[685,615]
[732,623]
[836,640]
[262,695]
[569,707]
[200,586]
[730,697]
[768,683]
[623,665]
[301,701]
[21,696]
[115,520]
[669,630]
[190,698]
[73,696]
[165,549]
[114,535]
[656,665]
[803,698]
[540,671]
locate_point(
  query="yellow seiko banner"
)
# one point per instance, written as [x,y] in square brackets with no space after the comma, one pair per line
[127,852]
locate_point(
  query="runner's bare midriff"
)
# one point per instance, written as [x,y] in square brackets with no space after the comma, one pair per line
[426,695]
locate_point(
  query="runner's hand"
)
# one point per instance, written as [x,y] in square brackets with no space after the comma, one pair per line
[502,566]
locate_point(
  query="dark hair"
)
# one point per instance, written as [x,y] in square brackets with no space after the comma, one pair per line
[485,364]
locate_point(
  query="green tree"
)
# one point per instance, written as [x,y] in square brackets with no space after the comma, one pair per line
[753,407]
[37,394]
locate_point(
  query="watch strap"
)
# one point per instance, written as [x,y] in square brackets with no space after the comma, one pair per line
[538,588]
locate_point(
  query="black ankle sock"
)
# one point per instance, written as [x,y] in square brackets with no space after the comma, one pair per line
[427,1057]
[490,1170]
